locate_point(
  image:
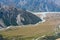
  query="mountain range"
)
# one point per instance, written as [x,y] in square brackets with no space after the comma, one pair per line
[34,5]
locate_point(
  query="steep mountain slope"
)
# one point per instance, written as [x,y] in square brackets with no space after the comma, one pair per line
[12,17]
[34,5]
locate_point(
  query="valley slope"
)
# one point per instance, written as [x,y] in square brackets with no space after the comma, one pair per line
[28,32]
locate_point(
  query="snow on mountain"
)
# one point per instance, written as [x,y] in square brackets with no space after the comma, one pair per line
[35,5]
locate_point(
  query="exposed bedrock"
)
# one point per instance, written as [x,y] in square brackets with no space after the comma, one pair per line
[13,17]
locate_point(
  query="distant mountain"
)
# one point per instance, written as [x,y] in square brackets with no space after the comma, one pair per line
[34,5]
[10,16]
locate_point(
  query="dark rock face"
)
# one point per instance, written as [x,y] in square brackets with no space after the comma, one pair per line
[30,18]
[13,16]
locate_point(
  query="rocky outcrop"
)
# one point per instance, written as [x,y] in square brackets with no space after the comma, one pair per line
[13,16]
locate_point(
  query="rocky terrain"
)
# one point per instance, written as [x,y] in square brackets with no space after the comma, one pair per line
[10,16]
[30,32]
[34,5]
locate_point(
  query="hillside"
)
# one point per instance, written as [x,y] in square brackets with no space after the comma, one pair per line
[11,16]
[29,32]
[34,5]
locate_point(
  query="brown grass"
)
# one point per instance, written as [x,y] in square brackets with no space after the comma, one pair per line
[36,30]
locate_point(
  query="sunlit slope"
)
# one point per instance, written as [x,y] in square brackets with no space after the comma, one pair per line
[30,30]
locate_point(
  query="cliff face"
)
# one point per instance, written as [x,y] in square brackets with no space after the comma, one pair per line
[13,16]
